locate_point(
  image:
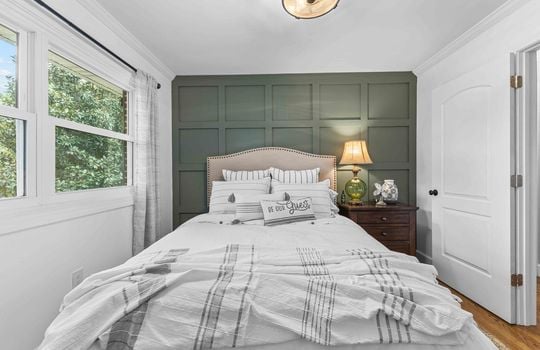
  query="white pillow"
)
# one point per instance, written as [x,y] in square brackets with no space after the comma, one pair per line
[248,207]
[318,192]
[245,175]
[295,176]
[286,212]
[222,191]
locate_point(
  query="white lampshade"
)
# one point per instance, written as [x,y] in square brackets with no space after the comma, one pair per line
[309,8]
[354,153]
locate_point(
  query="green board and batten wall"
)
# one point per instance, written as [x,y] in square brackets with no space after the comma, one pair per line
[316,113]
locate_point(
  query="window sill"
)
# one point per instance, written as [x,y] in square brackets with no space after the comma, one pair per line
[15,220]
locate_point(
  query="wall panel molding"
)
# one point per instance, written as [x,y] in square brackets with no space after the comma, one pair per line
[311,112]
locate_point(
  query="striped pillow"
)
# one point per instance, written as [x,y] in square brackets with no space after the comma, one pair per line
[222,191]
[286,212]
[318,192]
[295,176]
[245,175]
[248,207]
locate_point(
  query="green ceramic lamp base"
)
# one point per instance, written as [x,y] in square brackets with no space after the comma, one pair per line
[355,188]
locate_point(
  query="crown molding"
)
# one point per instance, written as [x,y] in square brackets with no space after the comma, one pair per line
[22,11]
[109,21]
[485,24]
[26,15]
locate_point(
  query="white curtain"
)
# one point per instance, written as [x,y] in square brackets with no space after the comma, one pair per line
[146,213]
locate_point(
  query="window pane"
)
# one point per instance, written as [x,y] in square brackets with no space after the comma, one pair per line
[85,161]
[8,67]
[76,94]
[11,167]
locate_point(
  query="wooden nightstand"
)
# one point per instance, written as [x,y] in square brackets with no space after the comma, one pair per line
[393,225]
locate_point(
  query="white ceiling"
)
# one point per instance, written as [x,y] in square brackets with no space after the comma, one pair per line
[197,37]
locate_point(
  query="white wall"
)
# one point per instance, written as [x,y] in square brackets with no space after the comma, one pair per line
[42,243]
[36,266]
[513,27]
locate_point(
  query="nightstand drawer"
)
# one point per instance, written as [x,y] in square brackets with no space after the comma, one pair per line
[382,217]
[394,225]
[402,247]
[388,233]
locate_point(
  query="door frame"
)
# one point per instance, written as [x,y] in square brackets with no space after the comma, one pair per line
[526,134]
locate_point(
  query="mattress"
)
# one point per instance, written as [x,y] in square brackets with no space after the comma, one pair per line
[208,231]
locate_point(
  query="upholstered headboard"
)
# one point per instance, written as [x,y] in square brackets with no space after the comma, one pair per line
[265,157]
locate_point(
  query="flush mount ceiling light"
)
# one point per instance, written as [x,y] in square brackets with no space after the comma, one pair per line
[306,9]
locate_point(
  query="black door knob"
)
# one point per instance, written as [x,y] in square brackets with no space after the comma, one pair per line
[433,192]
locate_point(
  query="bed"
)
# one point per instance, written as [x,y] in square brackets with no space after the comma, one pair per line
[213,283]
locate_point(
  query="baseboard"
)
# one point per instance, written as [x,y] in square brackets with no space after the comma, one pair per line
[427,259]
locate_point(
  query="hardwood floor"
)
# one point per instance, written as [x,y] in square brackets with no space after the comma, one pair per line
[514,337]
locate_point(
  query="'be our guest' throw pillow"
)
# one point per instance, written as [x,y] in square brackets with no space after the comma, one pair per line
[287,211]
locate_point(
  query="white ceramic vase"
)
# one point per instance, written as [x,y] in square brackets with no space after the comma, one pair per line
[389,192]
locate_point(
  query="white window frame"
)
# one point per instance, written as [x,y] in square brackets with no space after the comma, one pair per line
[68,124]
[24,112]
[41,203]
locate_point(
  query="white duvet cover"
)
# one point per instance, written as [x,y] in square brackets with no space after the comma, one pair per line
[325,252]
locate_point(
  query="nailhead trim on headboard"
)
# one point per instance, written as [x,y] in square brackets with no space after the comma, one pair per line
[282,149]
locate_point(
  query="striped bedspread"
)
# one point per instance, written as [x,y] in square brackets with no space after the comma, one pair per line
[244,295]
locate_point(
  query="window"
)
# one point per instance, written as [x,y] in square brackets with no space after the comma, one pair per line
[12,129]
[85,161]
[65,129]
[71,133]
[11,157]
[91,128]
[76,94]
[8,67]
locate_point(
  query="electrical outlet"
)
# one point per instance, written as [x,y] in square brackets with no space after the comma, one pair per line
[77,277]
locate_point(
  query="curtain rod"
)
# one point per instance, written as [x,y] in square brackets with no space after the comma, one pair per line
[86,35]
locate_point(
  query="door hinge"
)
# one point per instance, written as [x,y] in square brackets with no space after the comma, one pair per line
[516,280]
[516,81]
[516,181]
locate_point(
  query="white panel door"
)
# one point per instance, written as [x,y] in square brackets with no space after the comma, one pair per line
[472,207]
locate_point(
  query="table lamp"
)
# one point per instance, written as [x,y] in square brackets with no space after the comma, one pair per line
[355,153]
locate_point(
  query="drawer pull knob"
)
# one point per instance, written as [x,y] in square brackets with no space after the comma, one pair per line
[384,234]
[384,218]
